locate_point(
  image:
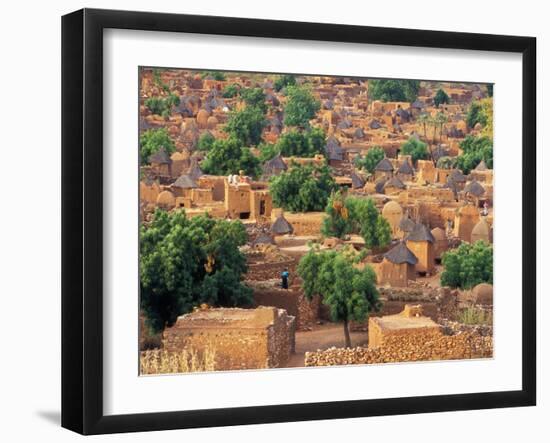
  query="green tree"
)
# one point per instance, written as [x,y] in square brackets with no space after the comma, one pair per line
[205,142]
[394,90]
[301,106]
[446,162]
[162,105]
[302,188]
[373,156]
[151,141]
[338,222]
[475,149]
[468,265]
[283,81]
[254,97]
[424,119]
[229,157]
[441,97]
[188,261]
[369,223]
[216,75]
[231,91]
[350,293]
[246,125]
[306,143]
[476,115]
[417,149]
[268,151]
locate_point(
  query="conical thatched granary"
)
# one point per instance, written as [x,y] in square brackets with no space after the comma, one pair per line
[281,226]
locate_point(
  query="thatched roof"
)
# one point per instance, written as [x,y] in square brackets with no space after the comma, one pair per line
[405,168]
[406,224]
[384,165]
[185,182]
[281,226]
[395,183]
[421,233]
[357,181]
[375,124]
[457,176]
[263,239]
[160,157]
[401,254]
[481,166]
[474,188]
[195,171]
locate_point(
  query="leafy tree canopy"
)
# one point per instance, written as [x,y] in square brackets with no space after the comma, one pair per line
[205,142]
[369,161]
[446,162]
[306,143]
[301,106]
[162,105]
[338,222]
[151,141]
[417,149]
[350,293]
[216,75]
[254,97]
[246,125]
[302,188]
[476,115]
[268,151]
[231,91]
[229,157]
[394,90]
[441,97]
[369,222]
[283,81]
[468,265]
[188,261]
[475,149]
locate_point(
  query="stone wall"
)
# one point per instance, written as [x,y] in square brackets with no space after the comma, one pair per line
[238,338]
[464,345]
[408,336]
[293,301]
[271,270]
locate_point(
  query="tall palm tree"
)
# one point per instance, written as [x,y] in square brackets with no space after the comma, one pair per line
[439,120]
[424,120]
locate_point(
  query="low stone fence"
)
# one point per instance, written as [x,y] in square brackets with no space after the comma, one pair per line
[292,300]
[463,345]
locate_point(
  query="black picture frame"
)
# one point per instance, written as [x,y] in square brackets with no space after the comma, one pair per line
[82,218]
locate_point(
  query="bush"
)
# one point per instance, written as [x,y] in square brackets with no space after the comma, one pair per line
[162,105]
[371,159]
[231,91]
[283,81]
[306,143]
[302,188]
[216,75]
[151,141]
[185,262]
[418,150]
[473,315]
[468,265]
[475,149]
[394,90]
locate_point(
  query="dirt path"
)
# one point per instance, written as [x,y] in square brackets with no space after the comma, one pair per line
[322,337]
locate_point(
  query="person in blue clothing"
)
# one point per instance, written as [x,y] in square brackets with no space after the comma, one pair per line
[284,278]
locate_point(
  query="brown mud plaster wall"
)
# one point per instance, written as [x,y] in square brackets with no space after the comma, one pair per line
[238,338]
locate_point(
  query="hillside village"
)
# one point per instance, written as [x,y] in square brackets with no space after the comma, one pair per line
[291,221]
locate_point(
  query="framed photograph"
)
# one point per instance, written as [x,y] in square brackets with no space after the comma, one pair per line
[270,221]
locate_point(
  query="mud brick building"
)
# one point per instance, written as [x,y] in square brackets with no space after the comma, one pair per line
[238,338]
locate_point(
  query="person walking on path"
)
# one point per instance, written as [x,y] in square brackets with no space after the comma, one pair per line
[284,278]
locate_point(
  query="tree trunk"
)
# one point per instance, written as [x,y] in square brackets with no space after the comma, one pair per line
[346,334]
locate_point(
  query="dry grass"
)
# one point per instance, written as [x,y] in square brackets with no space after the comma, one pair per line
[164,362]
[475,316]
